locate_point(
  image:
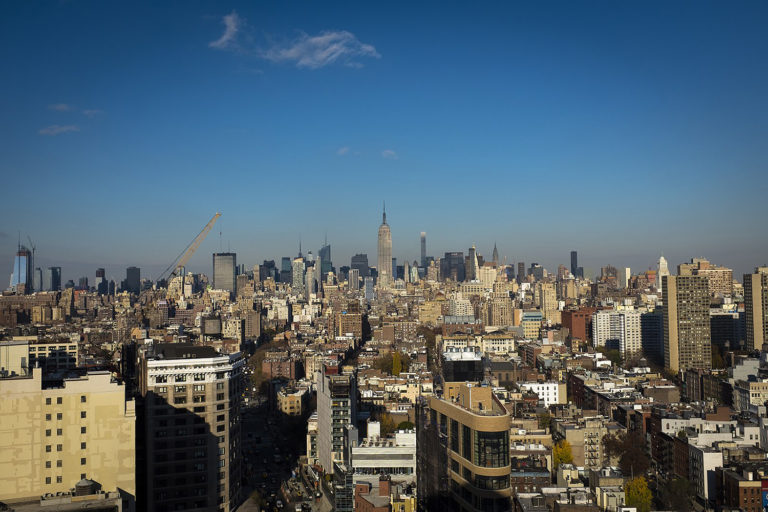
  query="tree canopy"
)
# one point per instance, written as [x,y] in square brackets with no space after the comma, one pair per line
[562,454]
[637,494]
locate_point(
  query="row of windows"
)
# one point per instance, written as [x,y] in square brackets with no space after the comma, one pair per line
[59,400]
[197,377]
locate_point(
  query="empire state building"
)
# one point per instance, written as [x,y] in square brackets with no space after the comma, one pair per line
[385,253]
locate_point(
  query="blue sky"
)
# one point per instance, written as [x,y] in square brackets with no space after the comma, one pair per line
[620,129]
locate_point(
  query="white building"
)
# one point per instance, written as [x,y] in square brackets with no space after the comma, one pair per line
[393,455]
[548,392]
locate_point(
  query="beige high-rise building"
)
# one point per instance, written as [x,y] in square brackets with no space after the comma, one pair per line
[755,308]
[192,435]
[720,279]
[687,340]
[463,458]
[385,253]
[56,435]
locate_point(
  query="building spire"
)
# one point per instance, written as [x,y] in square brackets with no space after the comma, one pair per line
[384,216]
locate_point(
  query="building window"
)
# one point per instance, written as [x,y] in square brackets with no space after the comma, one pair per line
[59,447]
[82,430]
[48,464]
[82,476]
[47,480]
[180,378]
[491,449]
[199,377]
[82,398]
[455,435]
[180,389]
[82,461]
[82,445]
[48,448]
[58,400]
[82,414]
[220,396]
[59,415]
[59,432]
[58,479]
[48,402]
[48,432]
[179,400]
[466,442]
[48,416]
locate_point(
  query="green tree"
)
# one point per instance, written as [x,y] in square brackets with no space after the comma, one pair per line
[397,364]
[544,420]
[405,425]
[561,453]
[637,494]
[387,424]
[629,447]
[676,494]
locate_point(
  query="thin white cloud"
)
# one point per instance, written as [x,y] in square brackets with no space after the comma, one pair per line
[92,112]
[60,107]
[56,129]
[233,24]
[327,48]
[343,151]
[390,154]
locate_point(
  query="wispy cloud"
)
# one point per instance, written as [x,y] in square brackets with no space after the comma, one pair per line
[233,24]
[342,151]
[56,129]
[326,48]
[60,107]
[390,154]
[92,112]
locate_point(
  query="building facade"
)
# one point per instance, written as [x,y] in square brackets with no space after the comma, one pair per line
[191,428]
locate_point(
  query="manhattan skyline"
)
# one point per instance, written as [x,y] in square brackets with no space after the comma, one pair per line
[620,131]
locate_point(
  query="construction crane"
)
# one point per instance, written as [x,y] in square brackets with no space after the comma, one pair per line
[189,250]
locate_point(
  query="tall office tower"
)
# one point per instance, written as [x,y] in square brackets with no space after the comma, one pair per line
[385,253]
[336,408]
[463,460]
[406,272]
[495,254]
[423,249]
[369,296]
[52,279]
[520,272]
[79,433]
[472,271]
[38,279]
[101,284]
[190,428]
[662,270]
[286,267]
[756,308]
[624,275]
[452,266]
[360,262]
[652,335]
[395,274]
[309,281]
[354,279]
[224,266]
[297,273]
[547,294]
[132,281]
[325,259]
[687,341]
[574,263]
[22,278]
